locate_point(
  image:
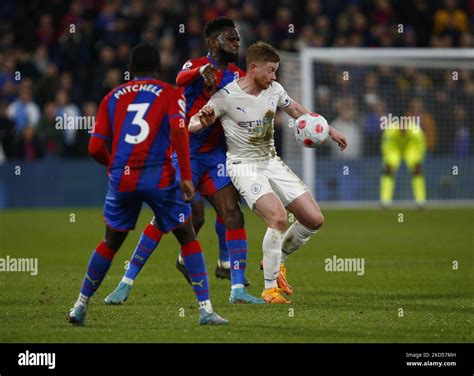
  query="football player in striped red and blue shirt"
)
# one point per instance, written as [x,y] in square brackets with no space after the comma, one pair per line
[201,77]
[144,121]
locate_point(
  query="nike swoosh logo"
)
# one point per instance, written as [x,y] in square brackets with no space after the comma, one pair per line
[93,281]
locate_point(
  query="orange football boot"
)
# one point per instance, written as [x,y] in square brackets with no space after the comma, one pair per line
[281,279]
[274,296]
[282,282]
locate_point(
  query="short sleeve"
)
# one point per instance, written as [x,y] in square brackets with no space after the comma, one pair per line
[284,99]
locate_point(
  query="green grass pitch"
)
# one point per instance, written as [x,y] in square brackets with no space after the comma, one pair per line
[411,290]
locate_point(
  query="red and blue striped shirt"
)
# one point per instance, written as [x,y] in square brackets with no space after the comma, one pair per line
[144,120]
[197,96]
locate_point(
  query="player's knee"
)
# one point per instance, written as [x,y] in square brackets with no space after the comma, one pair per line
[184,233]
[317,222]
[314,222]
[278,221]
[233,217]
[387,170]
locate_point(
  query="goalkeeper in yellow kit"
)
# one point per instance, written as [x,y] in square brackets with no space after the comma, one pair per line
[410,145]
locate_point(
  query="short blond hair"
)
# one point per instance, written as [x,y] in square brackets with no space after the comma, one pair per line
[261,52]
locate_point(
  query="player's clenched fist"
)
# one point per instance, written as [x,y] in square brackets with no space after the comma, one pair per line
[207,116]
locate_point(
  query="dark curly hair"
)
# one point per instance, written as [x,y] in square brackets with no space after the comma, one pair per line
[217,25]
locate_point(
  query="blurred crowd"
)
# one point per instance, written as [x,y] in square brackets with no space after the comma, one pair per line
[440,101]
[60,57]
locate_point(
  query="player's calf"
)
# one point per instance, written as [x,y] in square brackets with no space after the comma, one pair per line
[97,268]
[149,240]
[418,186]
[198,215]
[193,258]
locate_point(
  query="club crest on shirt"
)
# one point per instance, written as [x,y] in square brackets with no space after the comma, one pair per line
[272,103]
[255,188]
[187,65]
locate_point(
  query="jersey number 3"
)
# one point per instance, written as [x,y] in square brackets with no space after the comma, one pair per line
[138,119]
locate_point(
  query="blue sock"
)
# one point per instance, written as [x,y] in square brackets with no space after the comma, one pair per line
[237,246]
[220,228]
[196,267]
[149,240]
[99,264]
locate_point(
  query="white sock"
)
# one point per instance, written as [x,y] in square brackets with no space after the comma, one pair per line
[127,280]
[272,243]
[206,305]
[223,264]
[180,259]
[237,286]
[82,300]
[296,236]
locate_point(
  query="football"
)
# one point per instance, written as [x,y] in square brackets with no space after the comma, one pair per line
[311,130]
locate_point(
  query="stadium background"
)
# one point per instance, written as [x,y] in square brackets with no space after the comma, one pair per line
[67,54]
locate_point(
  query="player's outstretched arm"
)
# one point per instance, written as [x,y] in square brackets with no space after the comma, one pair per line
[295,110]
[187,76]
[202,119]
[338,138]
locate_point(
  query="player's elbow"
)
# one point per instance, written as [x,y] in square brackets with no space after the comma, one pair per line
[94,148]
[182,80]
[179,81]
[98,151]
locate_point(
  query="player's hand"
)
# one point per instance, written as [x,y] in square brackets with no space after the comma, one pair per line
[187,190]
[338,138]
[207,116]
[207,72]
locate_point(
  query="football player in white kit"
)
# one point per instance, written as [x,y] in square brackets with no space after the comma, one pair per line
[246,109]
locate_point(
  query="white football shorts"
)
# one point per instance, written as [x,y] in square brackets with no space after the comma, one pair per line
[255,179]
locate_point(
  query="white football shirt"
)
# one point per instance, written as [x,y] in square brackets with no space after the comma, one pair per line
[248,120]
